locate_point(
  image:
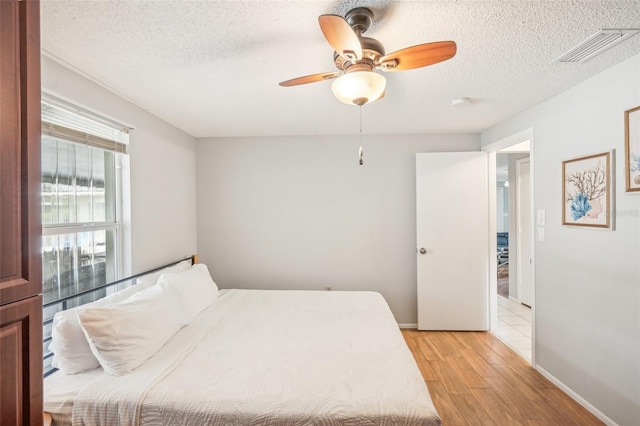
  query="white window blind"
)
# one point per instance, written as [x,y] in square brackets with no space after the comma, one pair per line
[69,122]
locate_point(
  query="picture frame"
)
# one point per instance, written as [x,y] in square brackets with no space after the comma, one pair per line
[632,149]
[587,191]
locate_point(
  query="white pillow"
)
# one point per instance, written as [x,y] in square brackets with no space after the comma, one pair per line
[124,335]
[71,351]
[195,287]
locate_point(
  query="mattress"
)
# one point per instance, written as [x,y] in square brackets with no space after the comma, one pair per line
[263,357]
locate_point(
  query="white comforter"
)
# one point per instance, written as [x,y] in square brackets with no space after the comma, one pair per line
[266,358]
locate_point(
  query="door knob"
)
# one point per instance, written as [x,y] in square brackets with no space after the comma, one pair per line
[423,250]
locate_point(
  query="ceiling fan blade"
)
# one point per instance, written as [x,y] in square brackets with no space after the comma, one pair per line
[310,79]
[341,36]
[418,56]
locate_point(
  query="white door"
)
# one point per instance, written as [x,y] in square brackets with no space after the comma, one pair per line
[452,205]
[525,233]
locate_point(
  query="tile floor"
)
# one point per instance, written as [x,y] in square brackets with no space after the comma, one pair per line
[514,326]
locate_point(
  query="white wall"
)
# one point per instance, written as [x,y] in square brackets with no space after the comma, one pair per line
[163,177]
[587,297]
[300,213]
[502,207]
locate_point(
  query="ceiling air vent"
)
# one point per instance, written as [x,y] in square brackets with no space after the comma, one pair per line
[596,44]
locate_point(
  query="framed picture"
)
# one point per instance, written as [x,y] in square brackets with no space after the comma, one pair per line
[587,191]
[632,148]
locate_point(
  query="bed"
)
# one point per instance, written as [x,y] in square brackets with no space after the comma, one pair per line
[250,357]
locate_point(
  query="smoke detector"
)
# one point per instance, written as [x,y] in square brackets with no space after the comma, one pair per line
[461,102]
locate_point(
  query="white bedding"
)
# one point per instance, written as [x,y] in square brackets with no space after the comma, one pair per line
[263,357]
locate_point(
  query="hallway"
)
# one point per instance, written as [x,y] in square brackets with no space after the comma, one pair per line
[514,326]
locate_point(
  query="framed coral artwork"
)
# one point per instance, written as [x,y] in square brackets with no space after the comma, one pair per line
[632,148]
[587,191]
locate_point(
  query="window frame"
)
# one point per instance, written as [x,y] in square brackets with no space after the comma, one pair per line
[121,178]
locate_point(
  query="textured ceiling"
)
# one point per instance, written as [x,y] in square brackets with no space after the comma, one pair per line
[211,68]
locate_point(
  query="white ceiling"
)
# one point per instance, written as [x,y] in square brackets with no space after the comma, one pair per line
[211,68]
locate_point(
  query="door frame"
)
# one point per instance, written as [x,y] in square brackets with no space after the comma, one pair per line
[492,149]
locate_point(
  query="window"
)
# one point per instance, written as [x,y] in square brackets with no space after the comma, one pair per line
[82,159]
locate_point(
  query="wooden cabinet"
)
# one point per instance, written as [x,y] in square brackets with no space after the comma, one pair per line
[20,228]
[21,362]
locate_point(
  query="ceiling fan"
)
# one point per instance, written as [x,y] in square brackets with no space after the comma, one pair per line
[357,58]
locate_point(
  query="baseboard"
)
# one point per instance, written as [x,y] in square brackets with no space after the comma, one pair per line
[593,410]
[407,325]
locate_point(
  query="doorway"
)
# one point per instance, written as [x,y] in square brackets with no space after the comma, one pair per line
[511,275]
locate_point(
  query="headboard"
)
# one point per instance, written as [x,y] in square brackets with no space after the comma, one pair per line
[78,299]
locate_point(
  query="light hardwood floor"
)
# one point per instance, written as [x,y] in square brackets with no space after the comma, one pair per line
[475,379]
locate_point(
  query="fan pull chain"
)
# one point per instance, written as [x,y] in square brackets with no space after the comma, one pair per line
[361,150]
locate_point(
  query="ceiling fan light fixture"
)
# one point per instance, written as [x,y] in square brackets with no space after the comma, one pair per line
[359,87]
